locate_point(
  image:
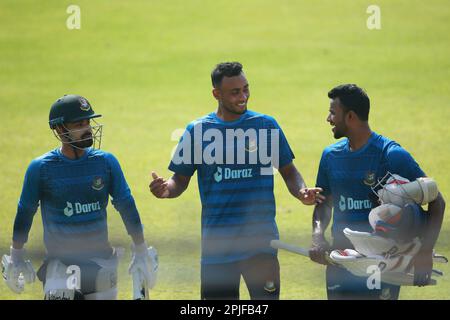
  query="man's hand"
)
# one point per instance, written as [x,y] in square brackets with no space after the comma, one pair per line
[143,269]
[423,265]
[320,249]
[159,186]
[311,196]
[16,271]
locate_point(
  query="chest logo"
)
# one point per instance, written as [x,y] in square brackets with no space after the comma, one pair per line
[98,184]
[369,179]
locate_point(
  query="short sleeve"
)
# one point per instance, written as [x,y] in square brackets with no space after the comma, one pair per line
[118,188]
[402,163]
[182,161]
[285,152]
[322,180]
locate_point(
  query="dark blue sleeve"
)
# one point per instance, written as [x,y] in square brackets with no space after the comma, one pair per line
[285,153]
[402,163]
[322,175]
[122,199]
[182,161]
[28,202]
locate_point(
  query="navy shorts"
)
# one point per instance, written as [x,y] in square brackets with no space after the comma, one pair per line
[261,274]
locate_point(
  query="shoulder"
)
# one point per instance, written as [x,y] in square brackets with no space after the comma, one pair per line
[35,166]
[383,143]
[390,148]
[335,147]
[51,156]
[396,156]
[330,151]
[209,118]
[265,120]
[98,153]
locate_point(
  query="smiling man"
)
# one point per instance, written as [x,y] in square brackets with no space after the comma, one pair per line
[234,151]
[72,184]
[347,172]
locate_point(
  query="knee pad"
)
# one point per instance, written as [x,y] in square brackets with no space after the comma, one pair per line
[106,279]
[110,294]
[56,287]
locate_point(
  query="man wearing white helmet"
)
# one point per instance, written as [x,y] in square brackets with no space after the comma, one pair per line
[347,172]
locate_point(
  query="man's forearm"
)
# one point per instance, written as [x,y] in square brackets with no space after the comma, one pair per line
[295,183]
[138,238]
[436,215]
[176,186]
[293,179]
[18,245]
[322,217]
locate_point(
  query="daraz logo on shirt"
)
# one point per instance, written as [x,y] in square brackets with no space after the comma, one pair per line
[353,204]
[228,173]
[69,210]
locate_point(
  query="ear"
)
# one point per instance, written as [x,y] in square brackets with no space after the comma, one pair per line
[216,93]
[351,115]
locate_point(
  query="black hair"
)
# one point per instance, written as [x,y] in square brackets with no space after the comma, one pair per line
[225,69]
[353,98]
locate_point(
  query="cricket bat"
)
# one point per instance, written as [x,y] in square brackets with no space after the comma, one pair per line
[140,289]
[277,244]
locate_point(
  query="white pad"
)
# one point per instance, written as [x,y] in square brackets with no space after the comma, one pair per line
[400,191]
[370,244]
[429,190]
[56,282]
[107,275]
[110,294]
[56,277]
[396,270]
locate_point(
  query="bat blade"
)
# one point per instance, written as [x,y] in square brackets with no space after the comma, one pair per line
[140,289]
[277,244]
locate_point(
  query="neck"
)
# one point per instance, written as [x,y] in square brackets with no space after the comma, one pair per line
[226,115]
[359,136]
[71,152]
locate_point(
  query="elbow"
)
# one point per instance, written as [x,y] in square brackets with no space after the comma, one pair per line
[438,205]
[441,200]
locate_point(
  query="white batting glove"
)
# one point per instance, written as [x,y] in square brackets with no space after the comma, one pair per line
[16,271]
[144,265]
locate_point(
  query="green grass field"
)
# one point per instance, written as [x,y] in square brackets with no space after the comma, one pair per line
[145,66]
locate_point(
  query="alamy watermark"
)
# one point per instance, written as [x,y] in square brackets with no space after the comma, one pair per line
[73,21]
[374,20]
[229,147]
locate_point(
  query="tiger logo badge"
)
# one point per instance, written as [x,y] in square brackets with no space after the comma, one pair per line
[84,104]
[98,184]
[369,179]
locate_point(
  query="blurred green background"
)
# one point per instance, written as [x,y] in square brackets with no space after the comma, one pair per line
[145,66]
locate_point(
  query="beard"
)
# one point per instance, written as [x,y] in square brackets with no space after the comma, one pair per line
[341,131]
[338,134]
[87,141]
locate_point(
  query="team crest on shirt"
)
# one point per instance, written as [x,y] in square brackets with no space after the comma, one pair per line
[369,179]
[98,184]
[84,104]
